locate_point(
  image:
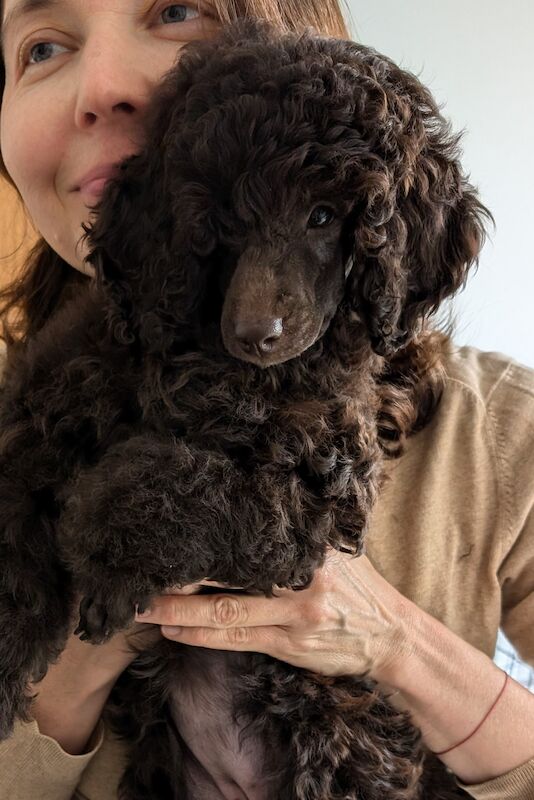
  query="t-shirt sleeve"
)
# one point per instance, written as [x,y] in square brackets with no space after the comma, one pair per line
[34,765]
[518,784]
[512,410]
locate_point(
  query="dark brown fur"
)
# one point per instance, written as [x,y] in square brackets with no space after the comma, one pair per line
[146,443]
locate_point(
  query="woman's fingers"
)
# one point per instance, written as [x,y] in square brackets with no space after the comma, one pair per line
[206,582]
[267,639]
[219,610]
[193,588]
[349,620]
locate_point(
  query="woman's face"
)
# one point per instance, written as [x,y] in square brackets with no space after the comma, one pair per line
[79,76]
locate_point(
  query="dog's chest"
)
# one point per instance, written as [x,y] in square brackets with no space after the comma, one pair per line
[221,760]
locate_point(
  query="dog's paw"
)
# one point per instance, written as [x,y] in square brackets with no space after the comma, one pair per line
[103,614]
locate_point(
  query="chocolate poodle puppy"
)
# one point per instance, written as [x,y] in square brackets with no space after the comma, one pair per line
[217,404]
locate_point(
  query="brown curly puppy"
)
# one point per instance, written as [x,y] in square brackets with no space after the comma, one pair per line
[217,403]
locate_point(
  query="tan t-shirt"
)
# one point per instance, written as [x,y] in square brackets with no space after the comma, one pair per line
[453,531]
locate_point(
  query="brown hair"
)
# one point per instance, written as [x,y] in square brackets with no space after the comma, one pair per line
[46,279]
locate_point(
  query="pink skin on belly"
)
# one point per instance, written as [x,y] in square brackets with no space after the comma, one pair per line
[217,767]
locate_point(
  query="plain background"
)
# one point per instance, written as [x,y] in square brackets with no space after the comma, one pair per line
[477,58]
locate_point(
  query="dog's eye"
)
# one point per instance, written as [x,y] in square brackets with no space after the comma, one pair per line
[320,217]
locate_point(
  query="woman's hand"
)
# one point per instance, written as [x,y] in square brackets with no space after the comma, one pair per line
[349,620]
[70,698]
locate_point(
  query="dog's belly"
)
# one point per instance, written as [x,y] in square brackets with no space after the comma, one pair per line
[218,766]
[203,785]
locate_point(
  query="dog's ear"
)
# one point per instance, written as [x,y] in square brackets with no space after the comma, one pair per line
[150,231]
[122,224]
[418,225]
[149,254]
[125,242]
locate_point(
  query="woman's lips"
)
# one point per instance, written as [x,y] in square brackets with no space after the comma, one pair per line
[94,188]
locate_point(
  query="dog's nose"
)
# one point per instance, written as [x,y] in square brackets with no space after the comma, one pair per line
[260,334]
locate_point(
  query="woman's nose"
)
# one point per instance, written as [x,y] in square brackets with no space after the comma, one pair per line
[112,83]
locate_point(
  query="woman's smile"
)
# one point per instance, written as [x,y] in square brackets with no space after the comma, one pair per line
[79,76]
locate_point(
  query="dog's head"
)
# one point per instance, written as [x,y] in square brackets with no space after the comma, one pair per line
[286,180]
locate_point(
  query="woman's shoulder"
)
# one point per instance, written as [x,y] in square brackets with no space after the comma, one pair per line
[492,378]
[488,400]
[487,408]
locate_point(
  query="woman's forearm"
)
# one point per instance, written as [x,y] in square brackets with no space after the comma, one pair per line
[72,695]
[448,686]
[69,720]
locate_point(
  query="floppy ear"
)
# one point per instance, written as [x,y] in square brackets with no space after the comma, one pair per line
[150,231]
[149,251]
[418,226]
[125,242]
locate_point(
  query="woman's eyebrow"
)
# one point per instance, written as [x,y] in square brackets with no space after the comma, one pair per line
[23,9]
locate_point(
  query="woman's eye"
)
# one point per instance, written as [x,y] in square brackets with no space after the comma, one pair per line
[39,48]
[181,16]
[176,12]
[321,217]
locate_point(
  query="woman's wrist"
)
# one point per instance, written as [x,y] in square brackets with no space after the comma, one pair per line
[71,697]
[71,721]
[448,686]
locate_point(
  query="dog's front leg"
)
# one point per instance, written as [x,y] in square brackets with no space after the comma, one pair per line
[156,513]
[35,592]
[139,521]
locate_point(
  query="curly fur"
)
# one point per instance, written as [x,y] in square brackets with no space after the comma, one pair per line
[219,401]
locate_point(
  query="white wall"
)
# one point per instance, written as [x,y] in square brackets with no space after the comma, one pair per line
[477,57]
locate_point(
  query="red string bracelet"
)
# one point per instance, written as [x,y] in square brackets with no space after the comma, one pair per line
[442,752]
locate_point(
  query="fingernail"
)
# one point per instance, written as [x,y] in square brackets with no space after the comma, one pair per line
[171,630]
[142,611]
